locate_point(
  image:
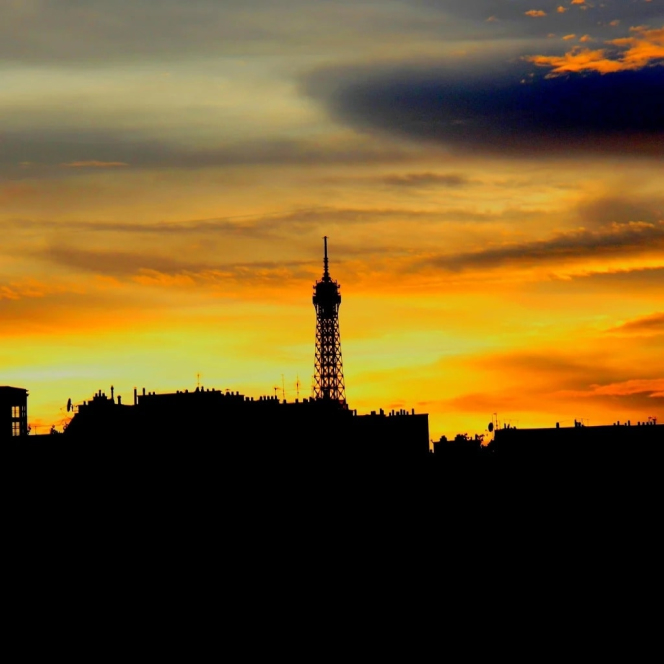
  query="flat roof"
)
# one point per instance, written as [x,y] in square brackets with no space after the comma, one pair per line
[7,388]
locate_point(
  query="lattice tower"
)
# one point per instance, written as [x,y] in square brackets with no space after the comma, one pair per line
[328,367]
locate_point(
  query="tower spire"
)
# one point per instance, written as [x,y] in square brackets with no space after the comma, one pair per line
[326,263]
[328,366]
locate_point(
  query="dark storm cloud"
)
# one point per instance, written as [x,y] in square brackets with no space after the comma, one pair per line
[619,240]
[509,109]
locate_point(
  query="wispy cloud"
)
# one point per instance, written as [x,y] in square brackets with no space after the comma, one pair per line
[304,221]
[117,148]
[33,288]
[154,269]
[420,180]
[646,325]
[95,164]
[616,241]
[115,263]
[621,209]
[652,388]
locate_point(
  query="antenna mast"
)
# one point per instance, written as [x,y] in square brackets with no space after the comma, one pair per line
[326,263]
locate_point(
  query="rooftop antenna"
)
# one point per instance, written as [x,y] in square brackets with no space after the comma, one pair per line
[198,380]
[297,386]
[283,388]
[276,389]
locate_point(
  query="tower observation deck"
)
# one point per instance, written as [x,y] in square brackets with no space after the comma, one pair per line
[328,367]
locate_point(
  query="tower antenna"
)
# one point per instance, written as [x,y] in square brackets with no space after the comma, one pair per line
[328,366]
[326,263]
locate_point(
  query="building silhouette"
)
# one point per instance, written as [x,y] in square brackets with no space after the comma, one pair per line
[13,412]
[242,426]
[628,440]
[322,426]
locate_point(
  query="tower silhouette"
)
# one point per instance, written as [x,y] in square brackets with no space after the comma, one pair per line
[328,367]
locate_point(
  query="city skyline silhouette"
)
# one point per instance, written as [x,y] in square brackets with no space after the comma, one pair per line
[322,422]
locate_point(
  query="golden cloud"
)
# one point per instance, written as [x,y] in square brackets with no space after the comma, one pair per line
[645,47]
[576,60]
[642,48]
[535,12]
[32,288]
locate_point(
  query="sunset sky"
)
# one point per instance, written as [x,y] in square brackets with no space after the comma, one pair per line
[489,173]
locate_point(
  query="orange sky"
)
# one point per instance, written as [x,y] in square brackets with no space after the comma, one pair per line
[166,180]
